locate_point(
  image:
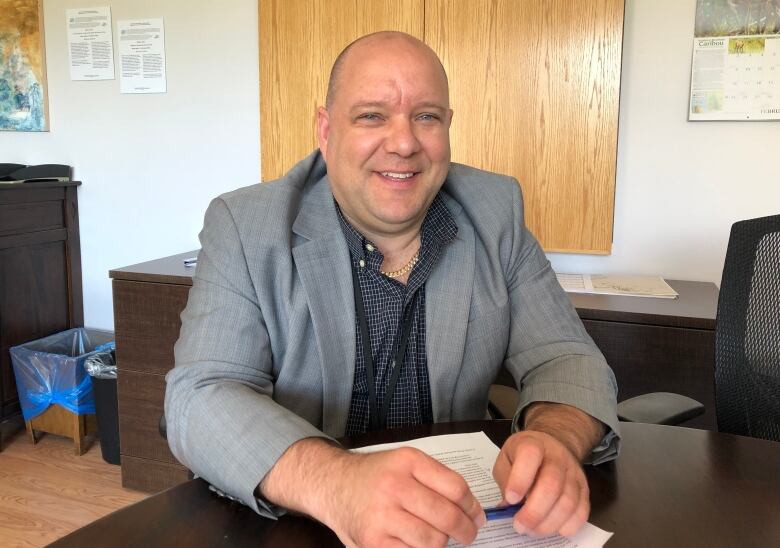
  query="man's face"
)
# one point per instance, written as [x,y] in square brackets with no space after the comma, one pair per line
[385,137]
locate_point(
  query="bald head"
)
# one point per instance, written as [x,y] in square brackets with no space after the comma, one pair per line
[388,39]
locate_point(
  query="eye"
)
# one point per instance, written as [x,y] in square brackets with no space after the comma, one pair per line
[428,117]
[369,117]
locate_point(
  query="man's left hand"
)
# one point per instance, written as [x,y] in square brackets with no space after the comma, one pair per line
[542,465]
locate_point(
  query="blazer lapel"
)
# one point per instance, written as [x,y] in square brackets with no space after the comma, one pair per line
[323,264]
[447,302]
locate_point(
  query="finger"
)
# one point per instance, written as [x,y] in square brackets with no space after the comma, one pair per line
[501,470]
[526,455]
[413,531]
[580,515]
[563,509]
[545,492]
[449,484]
[442,514]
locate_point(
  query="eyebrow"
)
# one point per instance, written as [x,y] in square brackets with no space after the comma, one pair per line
[381,104]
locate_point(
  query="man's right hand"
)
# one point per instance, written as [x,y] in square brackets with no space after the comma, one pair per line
[401,497]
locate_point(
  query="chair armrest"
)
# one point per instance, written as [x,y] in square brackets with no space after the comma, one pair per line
[659,408]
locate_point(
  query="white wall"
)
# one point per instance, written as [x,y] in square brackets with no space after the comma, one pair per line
[150,163]
[680,185]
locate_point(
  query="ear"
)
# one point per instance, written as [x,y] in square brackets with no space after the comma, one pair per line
[449,117]
[323,130]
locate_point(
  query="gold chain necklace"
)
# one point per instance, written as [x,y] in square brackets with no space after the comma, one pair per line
[404,269]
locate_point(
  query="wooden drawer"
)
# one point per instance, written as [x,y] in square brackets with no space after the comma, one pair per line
[31,217]
[147,323]
[649,358]
[141,398]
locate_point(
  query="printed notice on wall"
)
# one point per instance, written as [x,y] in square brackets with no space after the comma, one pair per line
[142,56]
[90,44]
[736,61]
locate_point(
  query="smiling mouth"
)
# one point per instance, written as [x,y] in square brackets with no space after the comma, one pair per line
[398,175]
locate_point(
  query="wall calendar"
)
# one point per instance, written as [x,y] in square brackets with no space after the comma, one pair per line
[735,73]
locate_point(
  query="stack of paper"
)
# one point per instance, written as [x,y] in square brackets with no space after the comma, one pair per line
[472,456]
[602,284]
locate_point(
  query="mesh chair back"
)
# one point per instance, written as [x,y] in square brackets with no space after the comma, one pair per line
[747,333]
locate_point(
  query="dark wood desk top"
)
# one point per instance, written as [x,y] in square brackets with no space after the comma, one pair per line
[695,308]
[670,487]
[168,270]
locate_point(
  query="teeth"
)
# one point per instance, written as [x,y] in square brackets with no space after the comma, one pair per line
[393,175]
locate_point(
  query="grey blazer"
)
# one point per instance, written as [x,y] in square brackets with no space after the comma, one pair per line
[266,354]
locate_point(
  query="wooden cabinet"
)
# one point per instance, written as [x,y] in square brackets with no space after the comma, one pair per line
[148,299]
[535,88]
[40,270]
[651,344]
[534,85]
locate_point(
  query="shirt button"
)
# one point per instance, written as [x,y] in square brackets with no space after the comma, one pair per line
[362,263]
[369,247]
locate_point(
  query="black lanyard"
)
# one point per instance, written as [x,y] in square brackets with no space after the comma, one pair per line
[377,420]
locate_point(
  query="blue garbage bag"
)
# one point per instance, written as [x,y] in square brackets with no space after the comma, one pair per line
[51,370]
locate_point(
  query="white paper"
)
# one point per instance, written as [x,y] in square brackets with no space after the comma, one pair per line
[627,286]
[575,283]
[90,44]
[501,534]
[470,455]
[142,56]
[473,456]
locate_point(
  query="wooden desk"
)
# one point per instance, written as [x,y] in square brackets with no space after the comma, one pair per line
[652,344]
[670,487]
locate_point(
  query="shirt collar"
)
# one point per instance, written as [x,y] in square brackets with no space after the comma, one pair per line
[439,227]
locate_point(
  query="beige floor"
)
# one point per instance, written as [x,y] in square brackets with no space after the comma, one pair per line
[46,491]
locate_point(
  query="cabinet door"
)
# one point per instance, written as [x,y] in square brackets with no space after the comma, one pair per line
[534,85]
[33,298]
[299,40]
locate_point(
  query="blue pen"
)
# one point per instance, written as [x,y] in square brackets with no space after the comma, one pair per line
[502,512]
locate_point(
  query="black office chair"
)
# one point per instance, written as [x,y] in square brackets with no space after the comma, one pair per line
[747,342]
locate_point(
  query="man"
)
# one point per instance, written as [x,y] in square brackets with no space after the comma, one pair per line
[387,291]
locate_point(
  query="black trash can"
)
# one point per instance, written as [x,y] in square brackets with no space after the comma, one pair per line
[102,369]
[106,408]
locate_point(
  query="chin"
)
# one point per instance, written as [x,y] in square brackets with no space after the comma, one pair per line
[399,216]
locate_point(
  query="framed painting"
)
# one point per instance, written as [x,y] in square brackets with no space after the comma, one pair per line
[22,67]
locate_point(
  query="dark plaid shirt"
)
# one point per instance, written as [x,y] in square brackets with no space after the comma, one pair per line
[385,300]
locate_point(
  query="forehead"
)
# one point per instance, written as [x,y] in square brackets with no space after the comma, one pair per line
[385,70]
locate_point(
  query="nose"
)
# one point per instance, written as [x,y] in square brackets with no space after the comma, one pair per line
[401,138]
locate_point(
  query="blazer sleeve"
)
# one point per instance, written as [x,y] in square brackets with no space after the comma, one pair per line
[550,355]
[223,423]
